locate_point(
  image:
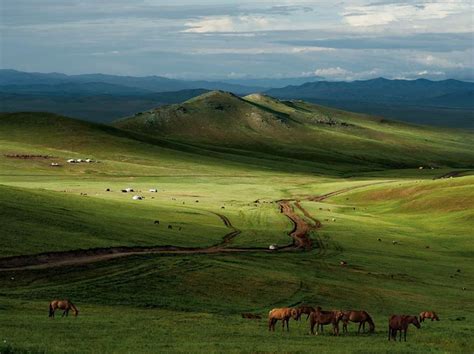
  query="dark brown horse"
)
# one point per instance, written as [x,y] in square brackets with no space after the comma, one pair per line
[320,318]
[401,323]
[281,314]
[304,309]
[361,317]
[427,315]
[64,305]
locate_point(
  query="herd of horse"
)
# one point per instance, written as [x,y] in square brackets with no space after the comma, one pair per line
[319,318]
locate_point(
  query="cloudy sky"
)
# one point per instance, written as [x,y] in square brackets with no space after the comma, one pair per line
[218,39]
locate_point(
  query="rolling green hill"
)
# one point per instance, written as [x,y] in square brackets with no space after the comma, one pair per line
[298,130]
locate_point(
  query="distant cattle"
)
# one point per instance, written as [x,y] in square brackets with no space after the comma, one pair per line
[157,222]
[137,197]
[107,190]
[153,190]
[170,227]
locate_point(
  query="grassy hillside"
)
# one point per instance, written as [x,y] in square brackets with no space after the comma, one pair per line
[193,303]
[210,186]
[303,131]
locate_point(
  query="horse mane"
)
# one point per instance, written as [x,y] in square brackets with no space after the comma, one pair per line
[371,322]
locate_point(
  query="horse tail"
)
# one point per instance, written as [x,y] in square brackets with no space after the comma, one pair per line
[371,323]
[51,310]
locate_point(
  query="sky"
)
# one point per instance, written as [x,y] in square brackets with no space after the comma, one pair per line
[210,39]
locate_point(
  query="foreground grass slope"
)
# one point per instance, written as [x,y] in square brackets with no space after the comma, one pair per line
[191,303]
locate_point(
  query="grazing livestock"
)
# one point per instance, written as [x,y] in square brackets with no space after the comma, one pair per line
[129,189]
[401,323]
[360,317]
[107,190]
[157,222]
[304,309]
[320,317]
[170,227]
[137,197]
[153,190]
[71,161]
[55,164]
[428,315]
[65,305]
[379,239]
[280,314]
[273,247]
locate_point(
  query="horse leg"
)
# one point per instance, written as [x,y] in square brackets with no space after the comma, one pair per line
[363,326]
[405,334]
[389,333]
[360,325]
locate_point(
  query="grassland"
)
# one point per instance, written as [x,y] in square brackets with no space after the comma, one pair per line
[193,302]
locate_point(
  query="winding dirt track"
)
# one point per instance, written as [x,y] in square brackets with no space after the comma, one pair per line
[299,233]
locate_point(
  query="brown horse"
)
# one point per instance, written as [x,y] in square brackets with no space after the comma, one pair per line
[320,318]
[428,314]
[64,305]
[304,309]
[282,314]
[360,317]
[401,323]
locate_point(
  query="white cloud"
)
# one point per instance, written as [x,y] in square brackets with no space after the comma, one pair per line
[227,24]
[411,14]
[434,61]
[338,73]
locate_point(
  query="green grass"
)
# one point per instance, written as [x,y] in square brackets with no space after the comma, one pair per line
[192,303]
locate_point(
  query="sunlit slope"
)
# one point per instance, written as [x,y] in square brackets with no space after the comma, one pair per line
[429,268]
[306,132]
[115,151]
[36,221]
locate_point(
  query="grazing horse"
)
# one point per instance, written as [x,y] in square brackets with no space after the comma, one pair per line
[65,305]
[304,309]
[360,317]
[400,323]
[428,314]
[320,317]
[283,314]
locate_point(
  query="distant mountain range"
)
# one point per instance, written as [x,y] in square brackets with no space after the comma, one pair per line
[11,80]
[443,103]
[103,98]
[383,91]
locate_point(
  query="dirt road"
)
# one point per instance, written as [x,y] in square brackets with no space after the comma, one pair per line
[300,234]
